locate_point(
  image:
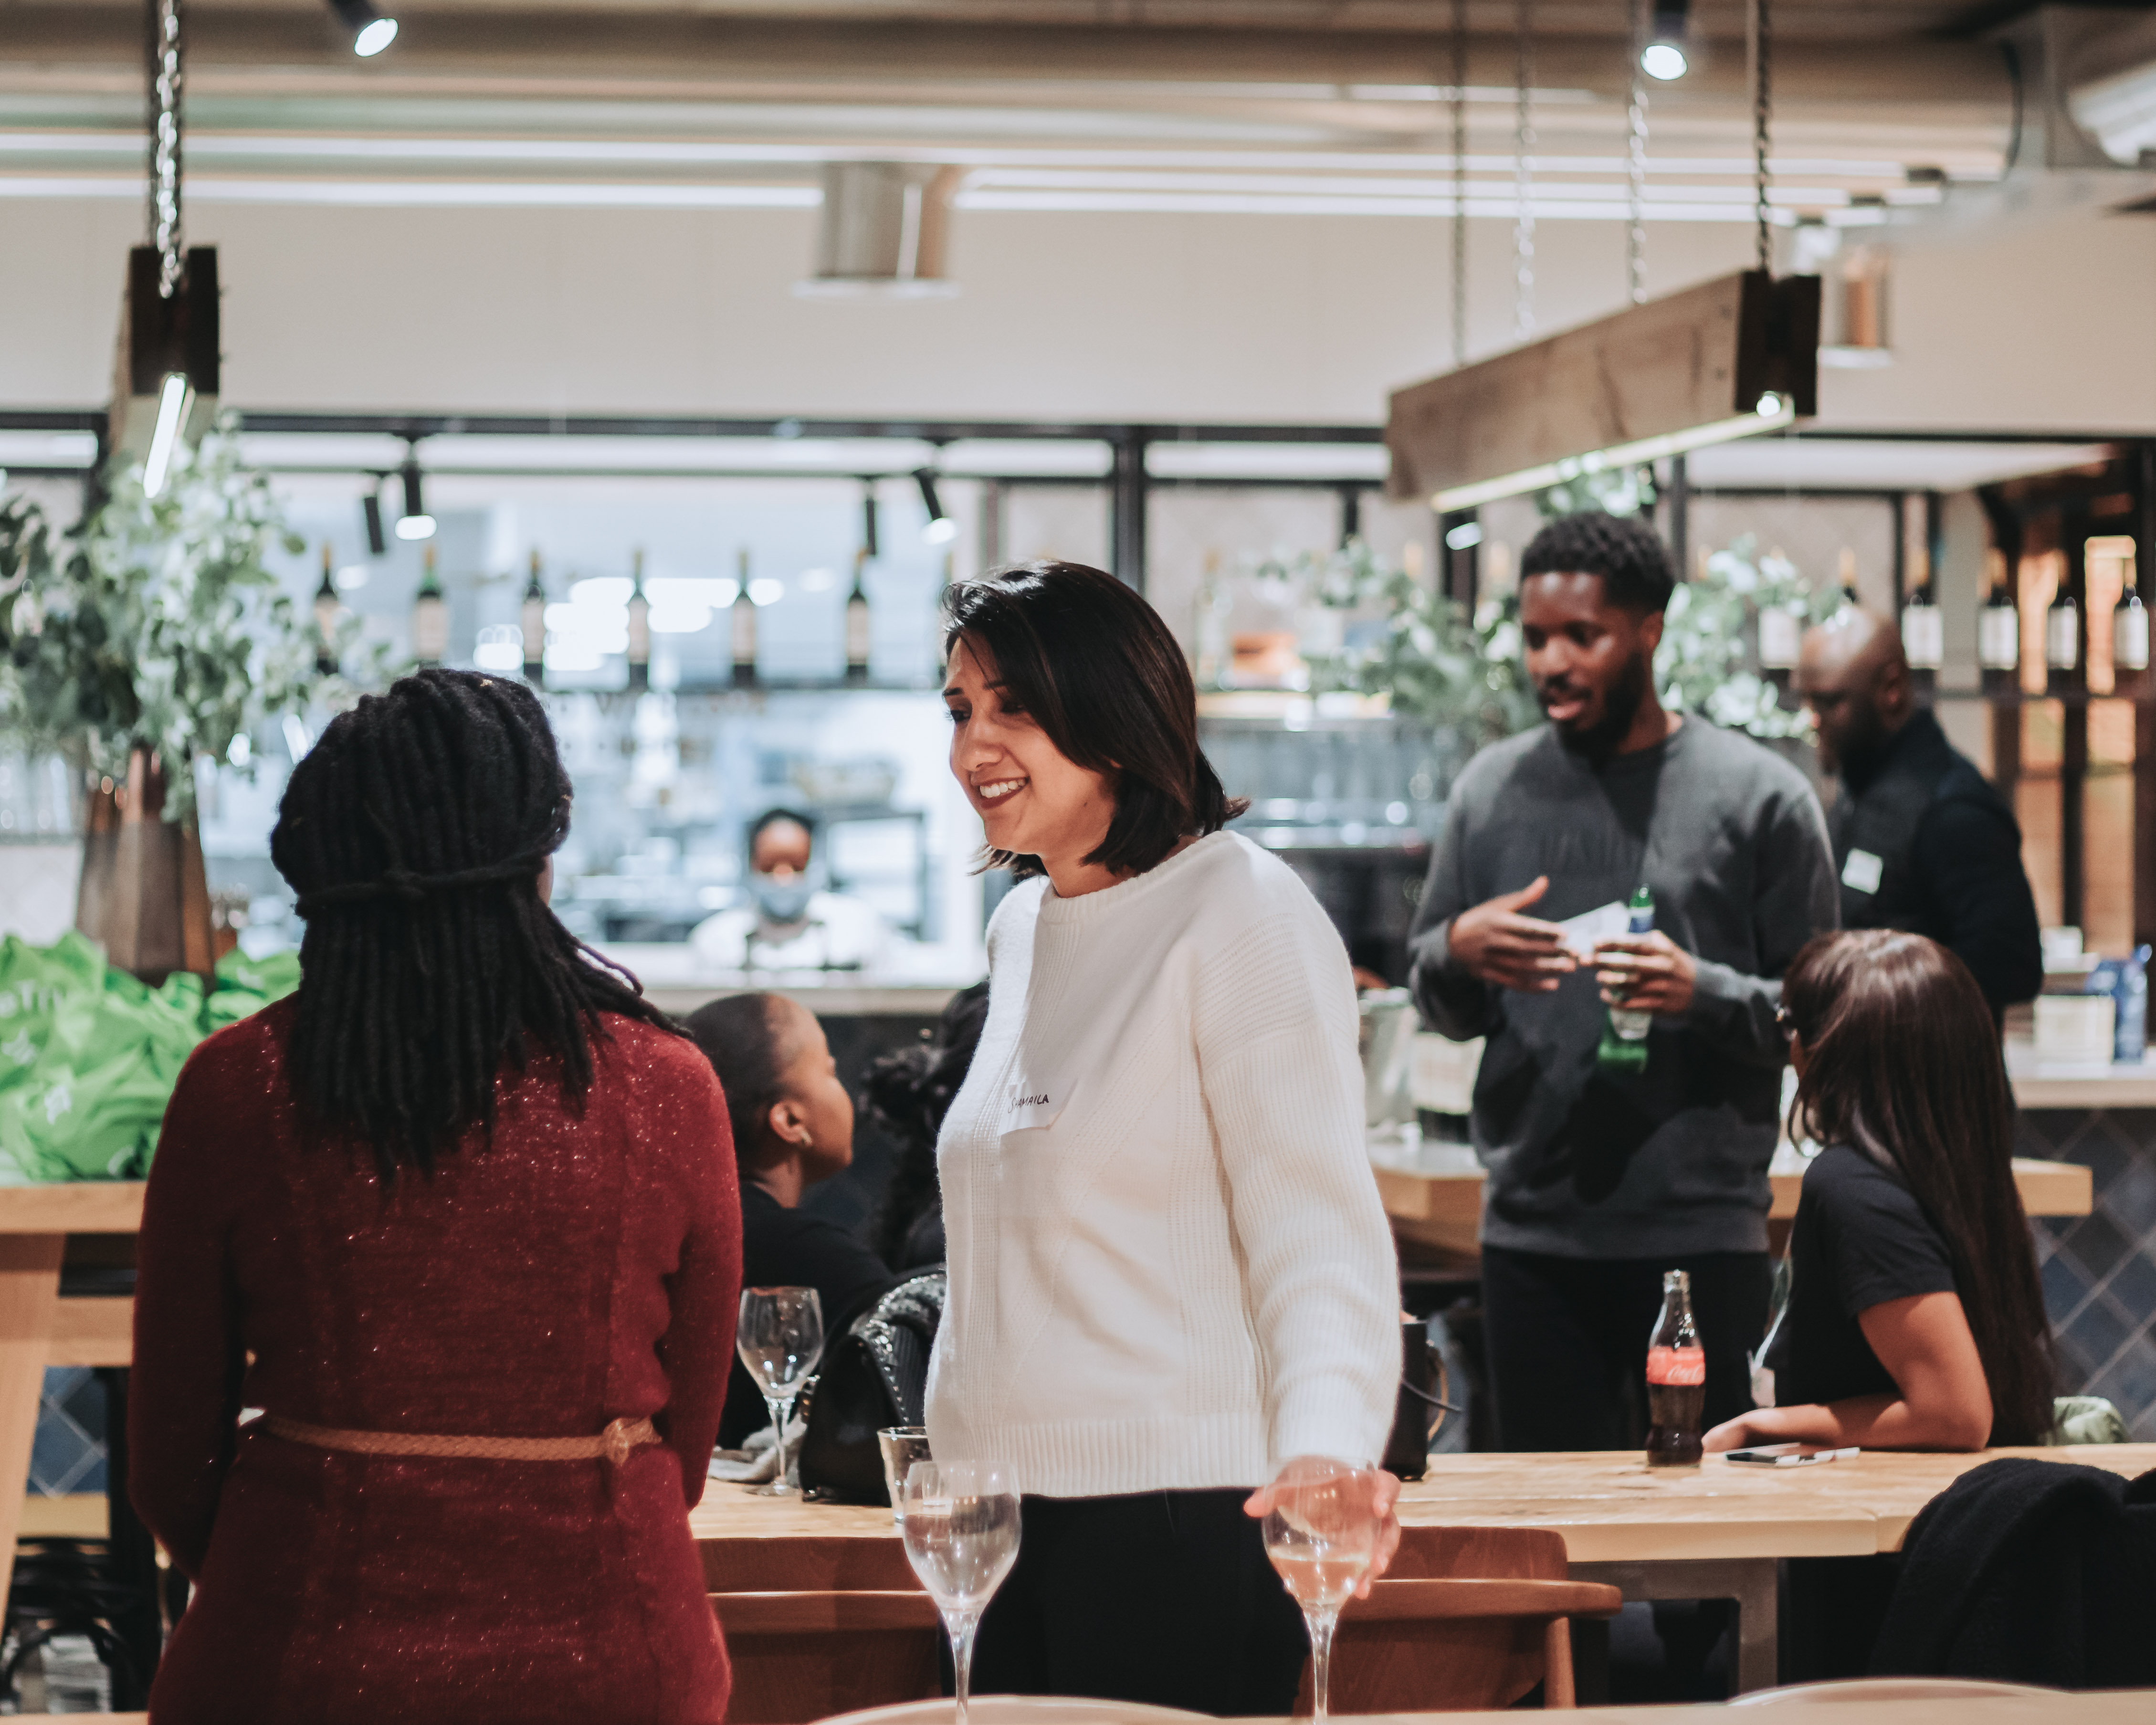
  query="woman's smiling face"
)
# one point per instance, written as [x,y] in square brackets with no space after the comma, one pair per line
[1032,798]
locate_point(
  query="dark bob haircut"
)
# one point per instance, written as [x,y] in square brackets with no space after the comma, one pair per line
[1627,553]
[1098,671]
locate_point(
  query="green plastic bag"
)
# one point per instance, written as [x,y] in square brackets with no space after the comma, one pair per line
[89,1055]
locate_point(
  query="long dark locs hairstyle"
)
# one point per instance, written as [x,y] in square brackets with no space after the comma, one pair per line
[414,832]
[1901,1062]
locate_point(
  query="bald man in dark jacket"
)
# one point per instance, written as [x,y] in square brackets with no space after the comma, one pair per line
[1923,841]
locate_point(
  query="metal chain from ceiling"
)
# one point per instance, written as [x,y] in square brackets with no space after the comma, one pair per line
[1762,121]
[1459,183]
[1523,177]
[1636,115]
[167,50]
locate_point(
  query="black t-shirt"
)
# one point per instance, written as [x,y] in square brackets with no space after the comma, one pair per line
[1860,1239]
[792,1248]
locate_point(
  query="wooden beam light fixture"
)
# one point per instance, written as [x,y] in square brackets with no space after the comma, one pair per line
[1728,359]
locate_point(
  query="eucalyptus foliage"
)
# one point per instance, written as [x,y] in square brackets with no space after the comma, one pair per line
[1705,663]
[156,624]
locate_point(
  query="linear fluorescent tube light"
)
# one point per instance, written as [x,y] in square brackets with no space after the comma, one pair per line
[415,523]
[172,413]
[1773,413]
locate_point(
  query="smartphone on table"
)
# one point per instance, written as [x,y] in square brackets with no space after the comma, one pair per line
[1789,1455]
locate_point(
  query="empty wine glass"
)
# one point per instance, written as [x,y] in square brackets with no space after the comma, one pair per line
[960,1522]
[1322,1535]
[781,1338]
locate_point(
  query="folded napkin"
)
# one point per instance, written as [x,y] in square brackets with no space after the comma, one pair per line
[757,1461]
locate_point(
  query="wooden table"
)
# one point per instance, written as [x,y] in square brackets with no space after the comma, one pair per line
[1436,1198]
[1713,1531]
[37,1328]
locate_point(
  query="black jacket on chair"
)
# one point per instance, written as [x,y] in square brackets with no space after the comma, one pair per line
[2031,1572]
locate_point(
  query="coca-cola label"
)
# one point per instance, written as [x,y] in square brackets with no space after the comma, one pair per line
[1676,1365]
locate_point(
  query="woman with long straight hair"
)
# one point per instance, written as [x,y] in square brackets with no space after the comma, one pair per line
[1172,1281]
[460,1215]
[1916,1321]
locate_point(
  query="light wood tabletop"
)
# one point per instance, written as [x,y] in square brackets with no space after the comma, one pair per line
[1611,1508]
[1609,1505]
[1436,1196]
[2115,1706]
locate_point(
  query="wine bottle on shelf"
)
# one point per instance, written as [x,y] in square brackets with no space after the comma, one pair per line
[531,620]
[329,612]
[1781,638]
[430,615]
[1212,621]
[640,629]
[2129,639]
[1999,632]
[1847,575]
[744,629]
[857,622]
[2062,638]
[1923,636]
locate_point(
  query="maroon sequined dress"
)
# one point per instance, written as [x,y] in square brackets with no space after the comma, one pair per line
[579,1270]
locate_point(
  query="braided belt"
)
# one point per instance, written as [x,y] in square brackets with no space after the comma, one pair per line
[612,1445]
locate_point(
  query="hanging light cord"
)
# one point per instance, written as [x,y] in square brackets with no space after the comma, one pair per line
[1635,235]
[1459,183]
[1523,184]
[1762,120]
[165,51]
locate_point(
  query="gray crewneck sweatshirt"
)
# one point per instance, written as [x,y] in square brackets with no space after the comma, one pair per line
[1731,840]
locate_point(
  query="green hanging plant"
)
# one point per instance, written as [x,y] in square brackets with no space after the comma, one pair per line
[1707,663]
[157,624]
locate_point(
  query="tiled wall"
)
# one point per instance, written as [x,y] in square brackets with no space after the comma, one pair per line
[68,1455]
[2100,1270]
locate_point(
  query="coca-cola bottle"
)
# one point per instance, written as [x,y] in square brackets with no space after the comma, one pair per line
[1676,1380]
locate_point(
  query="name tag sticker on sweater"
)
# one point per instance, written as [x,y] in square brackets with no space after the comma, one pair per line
[1862,870]
[1029,1105]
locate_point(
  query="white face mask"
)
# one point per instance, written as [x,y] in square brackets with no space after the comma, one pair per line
[783,898]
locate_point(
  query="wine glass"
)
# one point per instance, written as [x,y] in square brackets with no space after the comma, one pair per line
[781,1338]
[1322,1535]
[959,1520]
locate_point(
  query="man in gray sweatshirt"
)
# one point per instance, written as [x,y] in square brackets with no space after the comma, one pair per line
[1601,1179]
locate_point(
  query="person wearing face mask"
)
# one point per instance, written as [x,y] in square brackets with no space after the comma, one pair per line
[790,921]
[1601,1178]
[793,1128]
[1172,1280]
[1921,841]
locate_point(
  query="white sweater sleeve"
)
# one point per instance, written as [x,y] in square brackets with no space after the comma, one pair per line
[1275,1020]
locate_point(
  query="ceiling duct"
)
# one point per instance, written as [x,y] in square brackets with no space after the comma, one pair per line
[885,230]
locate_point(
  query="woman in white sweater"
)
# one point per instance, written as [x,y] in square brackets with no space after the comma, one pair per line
[1172,1280]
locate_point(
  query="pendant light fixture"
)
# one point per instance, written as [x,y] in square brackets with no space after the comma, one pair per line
[370,29]
[1666,54]
[169,358]
[941,530]
[1728,359]
[413,522]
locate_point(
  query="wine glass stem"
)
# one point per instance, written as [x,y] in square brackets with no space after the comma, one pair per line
[1321,1662]
[782,1410]
[961,1628]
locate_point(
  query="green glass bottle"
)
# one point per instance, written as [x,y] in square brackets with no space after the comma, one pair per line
[1623,1047]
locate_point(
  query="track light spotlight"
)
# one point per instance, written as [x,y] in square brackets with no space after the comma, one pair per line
[371,32]
[941,530]
[370,508]
[1667,55]
[415,523]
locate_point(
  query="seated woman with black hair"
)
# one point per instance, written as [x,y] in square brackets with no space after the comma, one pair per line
[1916,1321]
[793,1128]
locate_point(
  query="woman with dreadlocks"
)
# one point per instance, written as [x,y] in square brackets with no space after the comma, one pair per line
[460,1215]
